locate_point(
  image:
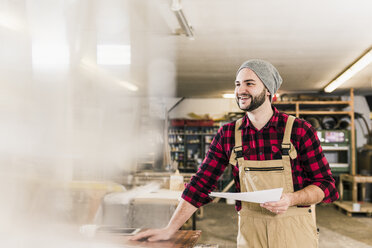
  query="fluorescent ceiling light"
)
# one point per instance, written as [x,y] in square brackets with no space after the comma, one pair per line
[113,55]
[361,63]
[229,95]
[184,23]
[186,27]
[47,54]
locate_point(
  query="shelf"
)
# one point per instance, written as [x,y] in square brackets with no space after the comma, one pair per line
[313,102]
[198,133]
[193,134]
[339,165]
[335,148]
[178,151]
[301,112]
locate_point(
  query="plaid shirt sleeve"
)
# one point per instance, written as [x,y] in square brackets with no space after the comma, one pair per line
[315,164]
[205,180]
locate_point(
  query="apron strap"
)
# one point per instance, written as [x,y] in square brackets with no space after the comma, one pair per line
[237,151]
[238,133]
[288,148]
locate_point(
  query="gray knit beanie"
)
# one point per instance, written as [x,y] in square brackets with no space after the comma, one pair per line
[266,72]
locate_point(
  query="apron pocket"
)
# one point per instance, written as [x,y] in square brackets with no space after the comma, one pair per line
[262,178]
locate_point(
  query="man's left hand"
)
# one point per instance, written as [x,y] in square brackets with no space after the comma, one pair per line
[281,206]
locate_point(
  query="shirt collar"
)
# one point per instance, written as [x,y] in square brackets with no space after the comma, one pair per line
[273,122]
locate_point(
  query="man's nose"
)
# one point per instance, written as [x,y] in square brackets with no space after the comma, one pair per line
[242,90]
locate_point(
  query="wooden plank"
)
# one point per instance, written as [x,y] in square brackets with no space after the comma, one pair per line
[356,178]
[352,123]
[297,110]
[182,239]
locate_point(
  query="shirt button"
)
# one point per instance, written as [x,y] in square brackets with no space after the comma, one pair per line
[260,153]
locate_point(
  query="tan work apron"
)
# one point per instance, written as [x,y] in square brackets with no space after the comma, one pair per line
[259,227]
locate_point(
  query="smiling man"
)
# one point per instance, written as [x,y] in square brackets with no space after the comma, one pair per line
[267,149]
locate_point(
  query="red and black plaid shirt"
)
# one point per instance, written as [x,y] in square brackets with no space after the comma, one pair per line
[309,168]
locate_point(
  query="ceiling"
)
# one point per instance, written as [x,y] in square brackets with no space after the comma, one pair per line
[310,43]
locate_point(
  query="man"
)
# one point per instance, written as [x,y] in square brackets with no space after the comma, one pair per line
[267,149]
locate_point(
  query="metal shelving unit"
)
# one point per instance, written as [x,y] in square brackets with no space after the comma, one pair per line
[189,145]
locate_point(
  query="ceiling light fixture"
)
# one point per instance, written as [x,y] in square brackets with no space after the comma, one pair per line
[186,27]
[357,66]
[228,95]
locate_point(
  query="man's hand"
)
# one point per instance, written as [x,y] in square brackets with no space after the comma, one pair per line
[309,195]
[154,235]
[183,212]
[281,206]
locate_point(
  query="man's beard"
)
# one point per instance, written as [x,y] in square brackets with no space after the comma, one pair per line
[255,101]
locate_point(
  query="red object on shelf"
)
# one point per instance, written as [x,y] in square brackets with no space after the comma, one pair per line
[177,122]
[199,123]
[191,123]
[206,123]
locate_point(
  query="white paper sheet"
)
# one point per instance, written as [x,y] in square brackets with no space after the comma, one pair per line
[261,196]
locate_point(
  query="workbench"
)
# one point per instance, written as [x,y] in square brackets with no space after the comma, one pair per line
[366,207]
[182,239]
[355,180]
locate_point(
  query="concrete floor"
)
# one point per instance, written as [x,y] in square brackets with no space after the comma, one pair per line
[337,230]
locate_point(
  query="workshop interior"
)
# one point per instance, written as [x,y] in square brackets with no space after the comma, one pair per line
[109,108]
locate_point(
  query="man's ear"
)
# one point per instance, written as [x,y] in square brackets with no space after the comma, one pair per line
[268,93]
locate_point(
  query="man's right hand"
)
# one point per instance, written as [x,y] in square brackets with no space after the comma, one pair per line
[154,235]
[183,212]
